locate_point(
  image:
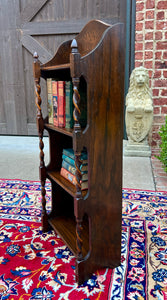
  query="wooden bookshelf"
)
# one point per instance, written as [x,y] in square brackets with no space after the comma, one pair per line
[64,183]
[56,67]
[66,228]
[65,131]
[88,221]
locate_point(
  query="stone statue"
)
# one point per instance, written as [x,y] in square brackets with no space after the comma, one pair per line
[139,113]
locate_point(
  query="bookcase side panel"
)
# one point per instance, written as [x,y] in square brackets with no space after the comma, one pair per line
[104,71]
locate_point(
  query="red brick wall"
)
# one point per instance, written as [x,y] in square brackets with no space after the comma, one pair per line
[151,52]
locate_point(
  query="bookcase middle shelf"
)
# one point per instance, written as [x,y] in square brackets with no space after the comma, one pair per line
[64,183]
[66,131]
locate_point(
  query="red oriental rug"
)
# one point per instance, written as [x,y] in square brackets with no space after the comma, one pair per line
[34,265]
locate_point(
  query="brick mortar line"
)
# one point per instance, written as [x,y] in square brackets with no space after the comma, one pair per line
[151,15]
[154,46]
[144,45]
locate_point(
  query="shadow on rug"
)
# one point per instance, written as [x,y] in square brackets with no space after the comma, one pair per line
[39,266]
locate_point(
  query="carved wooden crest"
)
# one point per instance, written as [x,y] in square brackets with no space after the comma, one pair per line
[139,124]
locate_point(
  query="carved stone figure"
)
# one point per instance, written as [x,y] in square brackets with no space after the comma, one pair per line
[139,113]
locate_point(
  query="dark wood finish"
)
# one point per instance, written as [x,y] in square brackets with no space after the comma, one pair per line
[40,127]
[96,242]
[65,184]
[66,228]
[66,131]
[29,26]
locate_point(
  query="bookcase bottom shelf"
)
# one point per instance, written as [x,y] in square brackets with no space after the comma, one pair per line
[65,227]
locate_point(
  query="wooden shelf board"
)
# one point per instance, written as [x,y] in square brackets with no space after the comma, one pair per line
[66,131]
[57,67]
[64,183]
[66,228]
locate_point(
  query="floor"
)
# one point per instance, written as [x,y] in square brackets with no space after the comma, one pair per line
[19,159]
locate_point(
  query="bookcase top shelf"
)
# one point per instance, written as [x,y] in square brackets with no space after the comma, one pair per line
[87,40]
[57,67]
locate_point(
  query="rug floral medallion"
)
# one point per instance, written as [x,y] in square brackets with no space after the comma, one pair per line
[37,265]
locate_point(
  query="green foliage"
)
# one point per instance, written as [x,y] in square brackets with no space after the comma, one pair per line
[163,152]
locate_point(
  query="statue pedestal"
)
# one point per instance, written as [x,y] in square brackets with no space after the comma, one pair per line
[137,149]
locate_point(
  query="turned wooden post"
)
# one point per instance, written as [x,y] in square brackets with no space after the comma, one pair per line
[40,128]
[75,74]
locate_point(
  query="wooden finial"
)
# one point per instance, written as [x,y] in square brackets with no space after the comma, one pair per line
[74,46]
[36,66]
[35,55]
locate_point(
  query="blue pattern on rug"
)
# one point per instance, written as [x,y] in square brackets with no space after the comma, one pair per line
[143,270]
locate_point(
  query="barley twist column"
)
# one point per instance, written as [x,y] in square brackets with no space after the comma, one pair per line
[40,128]
[75,73]
[78,175]
[77,129]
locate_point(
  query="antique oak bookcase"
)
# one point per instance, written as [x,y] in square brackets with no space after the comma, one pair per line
[88,221]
